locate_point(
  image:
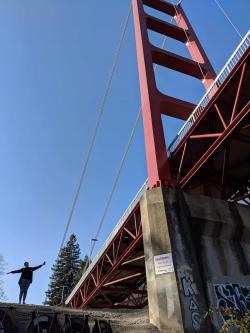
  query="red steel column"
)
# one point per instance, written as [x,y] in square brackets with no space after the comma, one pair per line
[157,164]
[194,47]
[154,103]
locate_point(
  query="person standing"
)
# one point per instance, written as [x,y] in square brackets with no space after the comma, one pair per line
[25,279]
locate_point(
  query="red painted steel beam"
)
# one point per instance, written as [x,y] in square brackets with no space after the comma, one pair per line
[205,136]
[221,114]
[154,103]
[162,6]
[157,164]
[212,102]
[127,291]
[166,28]
[112,282]
[177,63]
[175,107]
[194,47]
[236,102]
[133,260]
[108,271]
[221,139]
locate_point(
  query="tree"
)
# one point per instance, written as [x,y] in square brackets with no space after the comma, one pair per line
[84,264]
[64,272]
[2,295]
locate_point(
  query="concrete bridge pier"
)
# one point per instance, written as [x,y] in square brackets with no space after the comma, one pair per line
[197,255]
[163,296]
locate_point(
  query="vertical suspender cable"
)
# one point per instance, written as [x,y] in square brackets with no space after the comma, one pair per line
[118,173]
[117,176]
[99,117]
[133,132]
[228,18]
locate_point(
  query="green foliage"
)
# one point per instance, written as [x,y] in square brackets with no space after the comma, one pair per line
[64,273]
[234,321]
[84,264]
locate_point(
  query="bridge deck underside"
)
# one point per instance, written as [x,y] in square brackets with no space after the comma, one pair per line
[118,278]
[215,153]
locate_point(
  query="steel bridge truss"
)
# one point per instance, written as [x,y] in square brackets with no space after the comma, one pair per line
[215,152]
[118,278]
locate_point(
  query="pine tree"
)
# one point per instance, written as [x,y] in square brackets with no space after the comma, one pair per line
[65,270]
[84,264]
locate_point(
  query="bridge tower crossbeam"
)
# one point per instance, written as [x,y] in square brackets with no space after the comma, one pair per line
[155,103]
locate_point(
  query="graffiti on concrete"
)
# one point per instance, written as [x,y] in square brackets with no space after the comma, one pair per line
[189,289]
[186,280]
[233,295]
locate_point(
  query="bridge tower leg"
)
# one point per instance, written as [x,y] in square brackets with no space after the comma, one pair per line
[154,103]
[165,308]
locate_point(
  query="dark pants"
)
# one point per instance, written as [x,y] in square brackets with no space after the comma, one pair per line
[24,286]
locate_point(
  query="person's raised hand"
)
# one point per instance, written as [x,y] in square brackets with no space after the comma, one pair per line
[44,263]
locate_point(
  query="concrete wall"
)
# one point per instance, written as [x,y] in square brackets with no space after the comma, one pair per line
[121,321]
[210,245]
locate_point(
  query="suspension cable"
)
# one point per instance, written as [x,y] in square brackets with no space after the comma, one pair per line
[99,117]
[118,173]
[117,176]
[92,246]
[228,18]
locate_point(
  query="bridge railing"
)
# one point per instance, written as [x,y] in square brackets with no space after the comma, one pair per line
[226,70]
[124,217]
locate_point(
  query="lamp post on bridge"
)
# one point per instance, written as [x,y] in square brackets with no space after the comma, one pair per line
[92,241]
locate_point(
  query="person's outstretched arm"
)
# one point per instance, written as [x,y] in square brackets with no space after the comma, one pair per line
[17,271]
[37,267]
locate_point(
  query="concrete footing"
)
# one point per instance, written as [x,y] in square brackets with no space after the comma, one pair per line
[209,242]
[163,298]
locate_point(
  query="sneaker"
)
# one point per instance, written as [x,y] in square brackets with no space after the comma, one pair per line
[24,302]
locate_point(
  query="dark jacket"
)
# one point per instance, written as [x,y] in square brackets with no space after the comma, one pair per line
[26,273]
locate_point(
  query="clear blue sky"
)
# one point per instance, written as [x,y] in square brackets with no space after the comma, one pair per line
[54,61]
